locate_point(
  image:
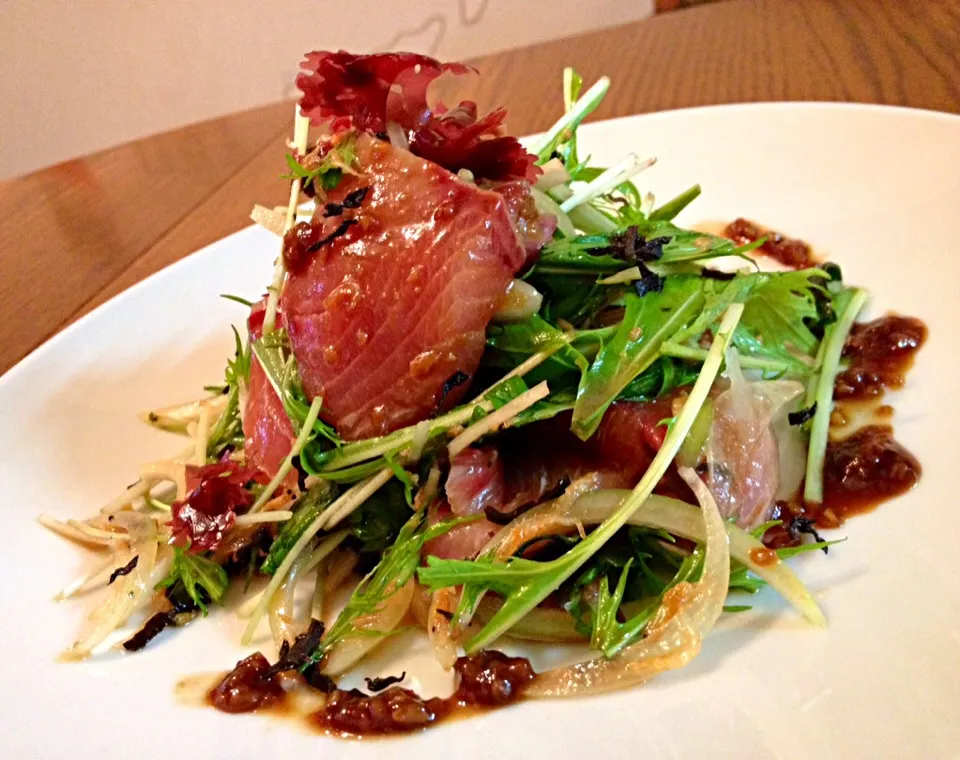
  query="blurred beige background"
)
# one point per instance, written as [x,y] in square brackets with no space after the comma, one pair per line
[82,75]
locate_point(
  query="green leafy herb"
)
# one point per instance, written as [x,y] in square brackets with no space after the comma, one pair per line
[409,484]
[395,569]
[565,127]
[778,309]
[307,508]
[647,322]
[512,344]
[228,430]
[525,583]
[280,366]
[378,521]
[833,341]
[661,377]
[329,170]
[203,579]
[669,210]
[573,298]
[237,299]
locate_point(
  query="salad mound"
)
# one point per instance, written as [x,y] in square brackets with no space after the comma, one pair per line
[496,390]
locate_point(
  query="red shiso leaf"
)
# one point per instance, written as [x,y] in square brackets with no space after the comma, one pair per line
[457,140]
[216,492]
[368,91]
[337,85]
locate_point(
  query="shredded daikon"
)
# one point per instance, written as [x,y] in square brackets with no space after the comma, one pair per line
[301,129]
[344,505]
[174,419]
[269,218]
[91,579]
[620,172]
[277,515]
[202,437]
[127,591]
[498,418]
[78,531]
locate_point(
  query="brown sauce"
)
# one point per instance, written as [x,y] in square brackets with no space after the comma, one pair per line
[247,687]
[486,680]
[879,353]
[867,467]
[862,471]
[790,252]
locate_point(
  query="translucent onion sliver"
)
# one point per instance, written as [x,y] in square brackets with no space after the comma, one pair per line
[673,639]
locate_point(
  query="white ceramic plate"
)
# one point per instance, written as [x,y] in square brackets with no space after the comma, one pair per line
[875,189]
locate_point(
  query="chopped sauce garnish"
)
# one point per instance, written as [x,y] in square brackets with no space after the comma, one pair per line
[790,252]
[862,471]
[488,679]
[880,353]
[395,710]
[247,687]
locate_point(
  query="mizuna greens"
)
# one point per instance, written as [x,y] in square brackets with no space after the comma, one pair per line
[621,311]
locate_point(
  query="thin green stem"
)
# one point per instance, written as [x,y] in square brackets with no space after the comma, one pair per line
[571,119]
[669,348]
[834,338]
[305,432]
[669,210]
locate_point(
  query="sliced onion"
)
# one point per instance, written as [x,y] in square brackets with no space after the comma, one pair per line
[439,626]
[546,518]
[686,614]
[520,302]
[174,419]
[127,591]
[554,173]
[317,602]
[372,629]
[550,625]
[340,565]
[286,623]
[743,455]
[425,608]
[660,512]
[95,577]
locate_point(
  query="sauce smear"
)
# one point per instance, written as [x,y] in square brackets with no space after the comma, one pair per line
[790,252]
[486,680]
[880,353]
[862,471]
[247,687]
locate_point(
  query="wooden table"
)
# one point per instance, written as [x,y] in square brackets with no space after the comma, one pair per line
[78,233]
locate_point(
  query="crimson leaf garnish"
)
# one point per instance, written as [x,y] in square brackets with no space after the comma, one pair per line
[200,521]
[458,140]
[372,92]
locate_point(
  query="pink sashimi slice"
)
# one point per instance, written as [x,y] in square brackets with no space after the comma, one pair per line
[266,427]
[383,314]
